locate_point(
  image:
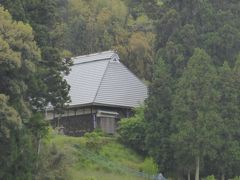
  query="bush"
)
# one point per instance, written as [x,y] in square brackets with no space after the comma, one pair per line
[236,178]
[90,178]
[210,177]
[94,134]
[132,131]
[95,140]
[52,164]
[149,166]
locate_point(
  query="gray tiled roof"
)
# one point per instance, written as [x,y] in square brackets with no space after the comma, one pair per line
[101,79]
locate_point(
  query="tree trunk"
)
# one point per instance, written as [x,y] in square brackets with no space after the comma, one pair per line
[223,176]
[38,150]
[189,175]
[126,18]
[197,168]
[39,146]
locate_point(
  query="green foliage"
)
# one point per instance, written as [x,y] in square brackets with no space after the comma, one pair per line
[52,163]
[111,161]
[47,83]
[95,140]
[197,125]
[236,178]
[91,178]
[36,124]
[149,166]
[52,71]
[132,131]
[193,106]
[228,110]
[20,129]
[17,156]
[99,25]
[210,177]
[201,88]
[210,25]
[18,57]
[158,117]
[10,120]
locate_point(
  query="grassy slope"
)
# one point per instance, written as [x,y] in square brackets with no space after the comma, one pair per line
[98,158]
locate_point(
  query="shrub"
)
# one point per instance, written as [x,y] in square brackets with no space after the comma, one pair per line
[95,140]
[236,178]
[52,164]
[132,131]
[210,177]
[149,166]
[90,178]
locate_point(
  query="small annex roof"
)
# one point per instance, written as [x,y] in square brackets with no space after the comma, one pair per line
[101,79]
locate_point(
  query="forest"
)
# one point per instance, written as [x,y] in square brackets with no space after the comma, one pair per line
[187,51]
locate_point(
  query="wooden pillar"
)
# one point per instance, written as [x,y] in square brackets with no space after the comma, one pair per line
[94,121]
[127,113]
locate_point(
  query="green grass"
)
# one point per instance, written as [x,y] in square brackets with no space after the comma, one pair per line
[100,175]
[98,158]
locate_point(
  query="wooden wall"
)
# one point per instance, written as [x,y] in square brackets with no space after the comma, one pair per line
[74,125]
[78,121]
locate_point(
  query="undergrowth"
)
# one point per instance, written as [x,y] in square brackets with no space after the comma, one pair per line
[96,156]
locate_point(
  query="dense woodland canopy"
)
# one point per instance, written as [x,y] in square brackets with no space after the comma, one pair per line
[188,51]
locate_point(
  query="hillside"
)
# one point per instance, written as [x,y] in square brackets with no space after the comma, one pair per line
[187,52]
[95,157]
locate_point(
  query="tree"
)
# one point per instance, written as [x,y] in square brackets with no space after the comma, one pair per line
[132,131]
[47,85]
[229,114]
[181,27]
[83,27]
[10,121]
[196,119]
[235,121]
[158,118]
[100,25]
[185,25]
[16,153]
[19,57]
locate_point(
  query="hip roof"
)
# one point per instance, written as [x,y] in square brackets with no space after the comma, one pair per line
[101,79]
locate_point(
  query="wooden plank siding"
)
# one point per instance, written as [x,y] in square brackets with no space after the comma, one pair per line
[74,125]
[78,121]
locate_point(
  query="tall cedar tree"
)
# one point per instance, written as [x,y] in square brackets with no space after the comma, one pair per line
[196,119]
[235,126]
[222,165]
[158,117]
[229,111]
[184,25]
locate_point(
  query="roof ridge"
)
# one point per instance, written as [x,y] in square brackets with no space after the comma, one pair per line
[94,54]
[100,83]
[105,55]
[91,61]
